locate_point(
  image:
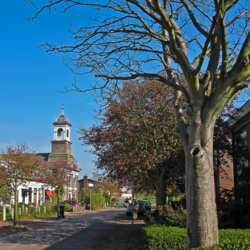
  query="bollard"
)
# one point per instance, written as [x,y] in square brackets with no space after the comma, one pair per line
[62,211]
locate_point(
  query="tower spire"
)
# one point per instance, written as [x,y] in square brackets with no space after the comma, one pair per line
[62,113]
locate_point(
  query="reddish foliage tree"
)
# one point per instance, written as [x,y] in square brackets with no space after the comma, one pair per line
[57,174]
[135,140]
[19,166]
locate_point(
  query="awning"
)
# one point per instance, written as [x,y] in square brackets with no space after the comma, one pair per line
[49,193]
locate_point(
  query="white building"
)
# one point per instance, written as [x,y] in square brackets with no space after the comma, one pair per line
[37,192]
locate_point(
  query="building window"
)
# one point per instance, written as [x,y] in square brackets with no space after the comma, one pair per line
[60,132]
[242,164]
[242,154]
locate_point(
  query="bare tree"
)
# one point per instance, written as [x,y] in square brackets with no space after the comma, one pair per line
[206,41]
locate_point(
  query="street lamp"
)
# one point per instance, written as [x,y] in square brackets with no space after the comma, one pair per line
[90,187]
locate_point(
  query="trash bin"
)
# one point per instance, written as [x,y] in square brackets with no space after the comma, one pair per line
[62,211]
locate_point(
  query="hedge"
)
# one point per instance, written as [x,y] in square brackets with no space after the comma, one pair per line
[174,238]
[164,238]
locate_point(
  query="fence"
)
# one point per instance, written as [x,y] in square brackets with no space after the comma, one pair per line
[33,210]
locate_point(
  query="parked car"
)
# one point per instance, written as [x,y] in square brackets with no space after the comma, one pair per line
[71,202]
[147,205]
[141,208]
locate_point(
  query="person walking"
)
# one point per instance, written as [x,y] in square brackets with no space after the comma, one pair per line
[129,201]
[135,210]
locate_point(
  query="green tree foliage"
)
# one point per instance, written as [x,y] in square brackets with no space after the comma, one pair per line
[97,201]
[5,193]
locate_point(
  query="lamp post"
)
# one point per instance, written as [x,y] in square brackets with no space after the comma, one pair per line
[109,198]
[90,187]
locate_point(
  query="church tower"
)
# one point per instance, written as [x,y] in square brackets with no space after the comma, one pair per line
[61,152]
[61,145]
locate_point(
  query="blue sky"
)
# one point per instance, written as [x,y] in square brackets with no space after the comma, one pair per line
[29,78]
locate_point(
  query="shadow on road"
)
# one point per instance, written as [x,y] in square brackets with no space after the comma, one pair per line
[86,231]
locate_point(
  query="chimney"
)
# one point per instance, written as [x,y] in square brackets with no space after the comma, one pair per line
[85,181]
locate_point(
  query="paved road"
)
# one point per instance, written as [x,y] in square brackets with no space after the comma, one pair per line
[77,231]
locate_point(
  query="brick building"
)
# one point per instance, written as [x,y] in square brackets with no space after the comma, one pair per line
[235,169]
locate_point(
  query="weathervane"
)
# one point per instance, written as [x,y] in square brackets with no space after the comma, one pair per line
[62,108]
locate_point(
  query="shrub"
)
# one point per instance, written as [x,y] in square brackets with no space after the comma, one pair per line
[82,201]
[168,216]
[67,207]
[8,216]
[21,204]
[32,204]
[232,239]
[237,216]
[97,201]
[106,197]
[164,238]
[232,213]
[47,203]
[50,210]
[158,237]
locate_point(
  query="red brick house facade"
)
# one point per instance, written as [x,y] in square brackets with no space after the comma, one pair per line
[234,171]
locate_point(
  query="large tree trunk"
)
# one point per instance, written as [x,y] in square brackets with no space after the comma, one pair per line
[202,222]
[161,187]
